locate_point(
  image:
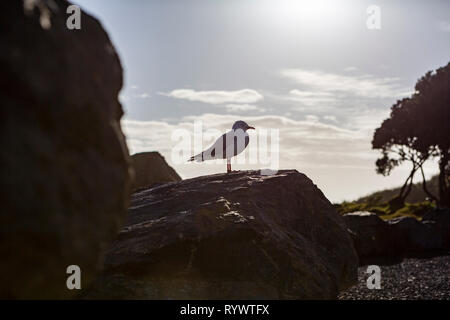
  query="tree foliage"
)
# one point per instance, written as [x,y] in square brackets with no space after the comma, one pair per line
[419,128]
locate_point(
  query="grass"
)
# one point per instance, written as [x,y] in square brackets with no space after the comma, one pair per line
[385,211]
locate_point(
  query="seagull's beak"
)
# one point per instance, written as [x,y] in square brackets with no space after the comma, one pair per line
[250,128]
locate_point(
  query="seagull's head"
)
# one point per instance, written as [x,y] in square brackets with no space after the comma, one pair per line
[241,125]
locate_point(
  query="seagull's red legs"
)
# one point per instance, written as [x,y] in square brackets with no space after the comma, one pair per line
[228,166]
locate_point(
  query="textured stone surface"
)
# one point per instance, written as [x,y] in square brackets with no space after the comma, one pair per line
[371,235]
[441,220]
[151,168]
[379,241]
[230,236]
[414,237]
[64,162]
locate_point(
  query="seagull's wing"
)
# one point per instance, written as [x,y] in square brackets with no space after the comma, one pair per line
[236,143]
[216,151]
[228,145]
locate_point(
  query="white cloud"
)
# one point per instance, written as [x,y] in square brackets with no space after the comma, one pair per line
[363,85]
[312,118]
[245,96]
[330,118]
[302,143]
[349,69]
[310,98]
[335,158]
[124,96]
[297,134]
[243,107]
[367,119]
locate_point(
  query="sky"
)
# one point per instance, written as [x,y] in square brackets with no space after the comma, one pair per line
[312,71]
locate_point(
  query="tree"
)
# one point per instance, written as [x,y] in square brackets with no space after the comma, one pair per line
[397,145]
[418,129]
[432,103]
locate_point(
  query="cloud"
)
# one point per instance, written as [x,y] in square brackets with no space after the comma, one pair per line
[364,85]
[125,96]
[335,158]
[306,142]
[366,119]
[245,96]
[243,107]
[358,102]
[310,98]
[349,69]
[312,118]
[330,118]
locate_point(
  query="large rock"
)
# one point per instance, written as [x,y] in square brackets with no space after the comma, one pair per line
[439,215]
[411,236]
[64,162]
[230,236]
[379,241]
[151,168]
[371,236]
[440,218]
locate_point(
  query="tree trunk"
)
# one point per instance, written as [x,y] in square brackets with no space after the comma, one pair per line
[409,186]
[424,185]
[402,190]
[406,188]
[444,183]
[399,201]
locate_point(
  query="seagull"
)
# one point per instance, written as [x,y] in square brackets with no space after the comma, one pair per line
[230,144]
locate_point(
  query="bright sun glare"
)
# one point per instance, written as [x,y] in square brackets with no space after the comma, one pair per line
[302,12]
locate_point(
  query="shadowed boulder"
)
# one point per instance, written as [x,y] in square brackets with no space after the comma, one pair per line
[230,236]
[379,241]
[151,168]
[371,236]
[64,161]
[440,218]
[414,237]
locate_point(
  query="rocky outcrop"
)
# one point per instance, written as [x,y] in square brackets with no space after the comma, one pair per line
[230,236]
[440,219]
[379,241]
[64,161]
[370,234]
[412,237]
[150,168]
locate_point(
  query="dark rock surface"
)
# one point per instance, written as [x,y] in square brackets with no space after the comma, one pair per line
[440,218]
[64,161]
[379,241]
[370,234]
[230,236]
[411,236]
[151,168]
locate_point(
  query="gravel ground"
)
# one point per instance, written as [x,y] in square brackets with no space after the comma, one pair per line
[410,279]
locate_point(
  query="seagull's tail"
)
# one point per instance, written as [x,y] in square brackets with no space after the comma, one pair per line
[198,157]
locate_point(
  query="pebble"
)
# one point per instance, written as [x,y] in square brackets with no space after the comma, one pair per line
[412,279]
